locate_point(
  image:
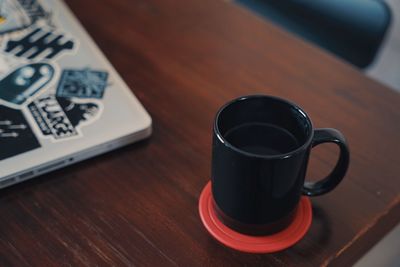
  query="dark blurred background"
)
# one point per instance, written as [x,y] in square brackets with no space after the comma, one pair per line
[364,33]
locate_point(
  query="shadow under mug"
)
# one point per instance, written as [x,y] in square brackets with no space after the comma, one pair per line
[260,152]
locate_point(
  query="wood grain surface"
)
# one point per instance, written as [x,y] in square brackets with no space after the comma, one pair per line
[137,206]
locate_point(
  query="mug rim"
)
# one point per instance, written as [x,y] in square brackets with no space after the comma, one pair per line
[278,156]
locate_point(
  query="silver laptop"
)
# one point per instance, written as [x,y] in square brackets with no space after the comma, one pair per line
[61,101]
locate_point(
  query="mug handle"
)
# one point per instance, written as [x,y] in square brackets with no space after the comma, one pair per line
[329,135]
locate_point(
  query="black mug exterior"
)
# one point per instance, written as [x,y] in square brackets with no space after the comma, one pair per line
[259,193]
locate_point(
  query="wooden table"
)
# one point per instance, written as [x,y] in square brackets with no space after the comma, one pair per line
[184,59]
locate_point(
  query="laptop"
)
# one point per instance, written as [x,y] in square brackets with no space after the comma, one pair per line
[61,101]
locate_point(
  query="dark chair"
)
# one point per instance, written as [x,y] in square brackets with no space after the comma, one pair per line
[351,29]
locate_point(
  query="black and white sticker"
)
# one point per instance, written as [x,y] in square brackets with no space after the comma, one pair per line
[61,118]
[82,83]
[16,136]
[39,44]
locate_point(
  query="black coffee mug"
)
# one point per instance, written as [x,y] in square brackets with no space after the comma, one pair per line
[261,147]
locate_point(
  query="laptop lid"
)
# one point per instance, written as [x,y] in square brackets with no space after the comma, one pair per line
[59,96]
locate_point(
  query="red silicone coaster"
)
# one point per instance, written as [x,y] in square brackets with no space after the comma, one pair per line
[254,244]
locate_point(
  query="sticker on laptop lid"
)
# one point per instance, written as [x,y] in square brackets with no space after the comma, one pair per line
[16,15]
[40,44]
[61,118]
[24,82]
[82,83]
[16,136]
